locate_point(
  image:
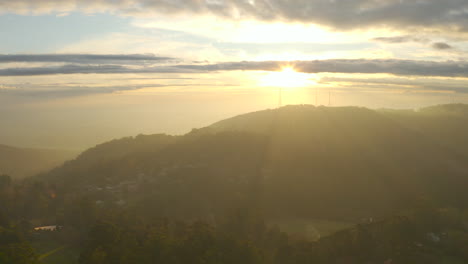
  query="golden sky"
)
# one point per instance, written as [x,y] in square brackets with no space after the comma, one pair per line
[80,72]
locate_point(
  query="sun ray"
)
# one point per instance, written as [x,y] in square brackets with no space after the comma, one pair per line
[288,77]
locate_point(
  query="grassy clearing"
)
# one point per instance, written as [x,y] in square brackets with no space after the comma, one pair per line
[43,256]
[53,252]
[43,246]
[66,255]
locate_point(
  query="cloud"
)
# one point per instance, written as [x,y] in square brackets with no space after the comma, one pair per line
[401,39]
[349,14]
[69,91]
[62,90]
[401,83]
[389,66]
[408,38]
[441,46]
[85,58]
[87,69]
[72,90]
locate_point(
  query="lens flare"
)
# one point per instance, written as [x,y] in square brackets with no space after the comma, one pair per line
[288,78]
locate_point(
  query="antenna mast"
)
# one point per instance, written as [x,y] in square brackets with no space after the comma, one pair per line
[316,96]
[280,97]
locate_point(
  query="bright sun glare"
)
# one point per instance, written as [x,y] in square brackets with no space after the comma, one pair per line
[287,77]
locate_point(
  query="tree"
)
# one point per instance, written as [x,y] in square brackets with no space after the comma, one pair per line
[13,250]
[5,181]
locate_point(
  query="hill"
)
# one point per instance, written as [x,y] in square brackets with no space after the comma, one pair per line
[444,124]
[23,162]
[355,158]
[298,161]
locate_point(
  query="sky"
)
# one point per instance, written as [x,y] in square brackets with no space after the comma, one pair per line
[74,73]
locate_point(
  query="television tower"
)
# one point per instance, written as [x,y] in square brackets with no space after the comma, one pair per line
[280,97]
[316,96]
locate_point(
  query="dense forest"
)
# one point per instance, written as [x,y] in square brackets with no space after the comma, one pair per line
[298,184]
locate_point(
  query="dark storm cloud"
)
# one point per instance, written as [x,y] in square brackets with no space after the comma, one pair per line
[340,14]
[390,66]
[441,46]
[84,58]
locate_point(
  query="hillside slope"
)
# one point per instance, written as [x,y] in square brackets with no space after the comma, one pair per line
[353,158]
[304,161]
[22,162]
[444,124]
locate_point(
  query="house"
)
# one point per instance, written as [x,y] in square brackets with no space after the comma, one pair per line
[433,237]
[47,228]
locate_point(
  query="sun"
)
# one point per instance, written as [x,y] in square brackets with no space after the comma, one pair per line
[287,77]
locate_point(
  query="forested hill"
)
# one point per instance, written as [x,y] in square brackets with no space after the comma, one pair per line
[443,124]
[23,162]
[301,161]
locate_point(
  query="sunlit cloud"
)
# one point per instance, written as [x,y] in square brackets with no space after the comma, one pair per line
[402,84]
[390,66]
[247,31]
[288,77]
[84,58]
[344,15]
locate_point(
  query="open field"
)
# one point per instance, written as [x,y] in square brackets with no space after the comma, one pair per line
[52,252]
